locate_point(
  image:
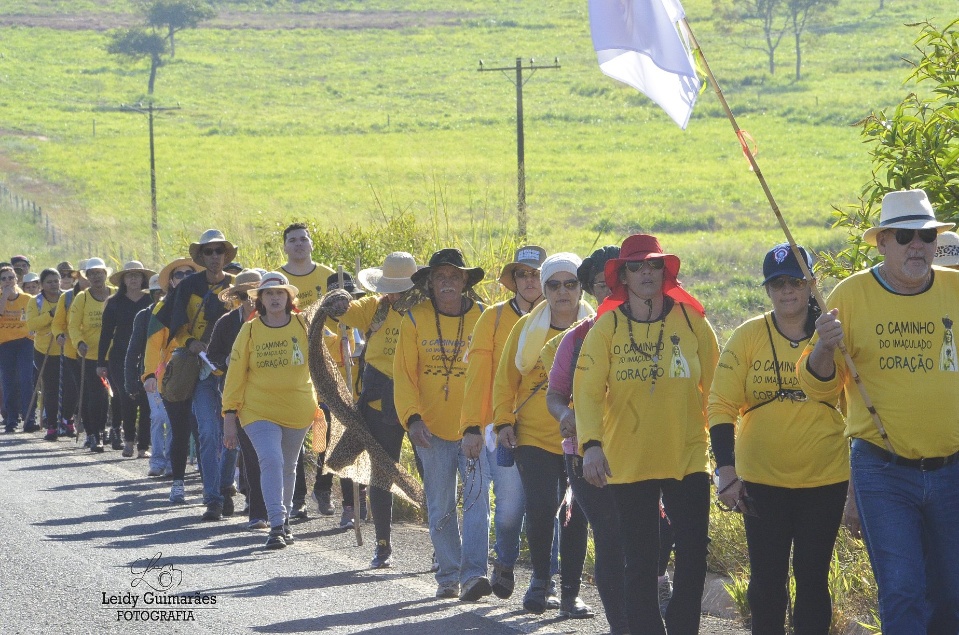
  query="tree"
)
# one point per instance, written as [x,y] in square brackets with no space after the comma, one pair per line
[136,44]
[916,147]
[800,11]
[176,15]
[767,16]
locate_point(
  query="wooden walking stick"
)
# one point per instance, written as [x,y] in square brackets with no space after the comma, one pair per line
[36,386]
[742,136]
[348,370]
[60,394]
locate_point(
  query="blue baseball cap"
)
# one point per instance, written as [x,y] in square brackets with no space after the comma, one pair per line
[780,261]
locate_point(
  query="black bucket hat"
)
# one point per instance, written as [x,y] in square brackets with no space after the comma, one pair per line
[454,258]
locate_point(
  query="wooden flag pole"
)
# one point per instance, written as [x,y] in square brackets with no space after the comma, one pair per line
[850,365]
[348,369]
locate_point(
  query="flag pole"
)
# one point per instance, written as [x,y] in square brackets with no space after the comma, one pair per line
[789,237]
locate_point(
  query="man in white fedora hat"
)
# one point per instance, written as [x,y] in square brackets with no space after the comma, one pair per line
[376,316]
[189,312]
[896,319]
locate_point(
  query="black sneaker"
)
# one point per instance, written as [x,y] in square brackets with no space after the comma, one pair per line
[275,540]
[51,435]
[575,608]
[228,507]
[552,595]
[324,504]
[96,445]
[299,511]
[31,427]
[116,442]
[214,511]
[383,556]
[288,533]
[502,581]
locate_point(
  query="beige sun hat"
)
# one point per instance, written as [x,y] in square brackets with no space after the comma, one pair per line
[531,256]
[30,277]
[392,277]
[94,263]
[244,281]
[168,270]
[155,283]
[212,236]
[908,209]
[273,280]
[132,266]
[947,250]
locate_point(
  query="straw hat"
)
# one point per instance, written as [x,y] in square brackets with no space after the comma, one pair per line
[947,251]
[132,266]
[530,256]
[909,209]
[454,258]
[274,280]
[93,263]
[393,277]
[244,281]
[167,271]
[65,269]
[208,237]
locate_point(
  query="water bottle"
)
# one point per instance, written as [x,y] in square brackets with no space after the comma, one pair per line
[504,456]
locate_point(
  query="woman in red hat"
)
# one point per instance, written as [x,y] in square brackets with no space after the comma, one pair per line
[640,390]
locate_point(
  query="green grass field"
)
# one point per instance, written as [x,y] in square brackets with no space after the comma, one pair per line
[338,125]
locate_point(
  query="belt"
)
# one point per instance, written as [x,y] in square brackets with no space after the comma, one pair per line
[926,465]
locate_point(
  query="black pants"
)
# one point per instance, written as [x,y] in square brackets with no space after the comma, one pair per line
[52,388]
[182,425]
[133,410]
[544,482]
[687,505]
[251,471]
[95,398]
[805,520]
[323,482]
[600,510]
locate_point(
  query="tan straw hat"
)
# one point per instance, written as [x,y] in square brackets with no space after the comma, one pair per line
[392,277]
[132,266]
[208,237]
[274,280]
[909,209]
[244,281]
[168,270]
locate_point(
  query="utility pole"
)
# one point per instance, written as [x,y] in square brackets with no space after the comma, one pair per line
[154,221]
[520,138]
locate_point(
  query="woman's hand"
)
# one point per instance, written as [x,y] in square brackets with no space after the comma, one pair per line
[596,467]
[102,372]
[850,514]
[82,349]
[229,430]
[506,437]
[729,489]
[150,385]
[567,424]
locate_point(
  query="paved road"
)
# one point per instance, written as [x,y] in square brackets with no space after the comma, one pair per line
[79,530]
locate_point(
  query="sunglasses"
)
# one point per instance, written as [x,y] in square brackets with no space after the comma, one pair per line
[638,265]
[780,282]
[521,274]
[210,251]
[905,236]
[7,278]
[554,285]
[180,275]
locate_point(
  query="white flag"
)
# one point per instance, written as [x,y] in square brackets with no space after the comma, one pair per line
[637,43]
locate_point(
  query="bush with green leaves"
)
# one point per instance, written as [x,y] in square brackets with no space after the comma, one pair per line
[916,146]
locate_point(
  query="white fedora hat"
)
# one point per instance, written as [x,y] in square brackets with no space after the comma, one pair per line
[393,277]
[908,209]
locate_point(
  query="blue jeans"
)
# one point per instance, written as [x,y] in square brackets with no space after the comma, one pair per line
[217,463]
[459,559]
[160,433]
[509,511]
[910,522]
[16,373]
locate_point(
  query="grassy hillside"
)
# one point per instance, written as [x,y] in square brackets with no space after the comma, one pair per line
[376,106]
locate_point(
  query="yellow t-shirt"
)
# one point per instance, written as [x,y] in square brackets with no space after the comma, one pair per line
[311,286]
[61,324]
[783,442]
[486,347]
[86,320]
[647,432]
[39,321]
[535,426]
[905,350]
[158,350]
[423,382]
[268,377]
[13,320]
[381,347]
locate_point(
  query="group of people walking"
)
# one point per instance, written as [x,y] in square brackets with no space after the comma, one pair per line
[617,418]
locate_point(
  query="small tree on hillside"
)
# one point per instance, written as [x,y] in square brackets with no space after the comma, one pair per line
[768,17]
[917,146]
[800,11]
[176,15]
[137,44]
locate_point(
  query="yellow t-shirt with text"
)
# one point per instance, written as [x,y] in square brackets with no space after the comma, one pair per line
[311,286]
[13,321]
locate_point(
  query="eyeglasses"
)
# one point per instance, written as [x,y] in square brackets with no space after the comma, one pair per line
[654,263]
[180,275]
[779,283]
[905,236]
[553,285]
[7,278]
[210,251]
[521,274]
